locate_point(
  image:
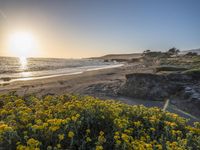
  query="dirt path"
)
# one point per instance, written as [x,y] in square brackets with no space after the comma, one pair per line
[166,106]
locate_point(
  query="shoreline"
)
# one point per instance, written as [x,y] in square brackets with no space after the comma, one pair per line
[19,84]
[61,74]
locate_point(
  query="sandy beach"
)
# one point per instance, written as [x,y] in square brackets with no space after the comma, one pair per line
[75,83]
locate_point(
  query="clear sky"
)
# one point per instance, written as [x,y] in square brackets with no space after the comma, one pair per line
[84,28]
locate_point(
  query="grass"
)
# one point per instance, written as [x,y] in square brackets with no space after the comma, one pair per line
[182,62]
[74,122]
[170,68]
[193,72]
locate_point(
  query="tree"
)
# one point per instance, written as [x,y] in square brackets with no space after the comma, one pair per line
[191,54]
[173,51]
[146,52]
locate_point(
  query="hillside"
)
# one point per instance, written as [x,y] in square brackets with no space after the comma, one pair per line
[122,57]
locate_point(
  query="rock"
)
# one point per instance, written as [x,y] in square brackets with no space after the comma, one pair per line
[188,88]
[151,86]
[195,97]
[173,102]
[192,93]
[188,92]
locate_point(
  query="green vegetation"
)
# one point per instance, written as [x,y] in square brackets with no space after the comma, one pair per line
[173,51]
[170,60]
[192,54]
[170,68]
[182,62]
[148,53]
[170,52]
[193,72]
[74,122]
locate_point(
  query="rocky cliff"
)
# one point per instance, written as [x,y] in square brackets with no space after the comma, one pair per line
[156,86]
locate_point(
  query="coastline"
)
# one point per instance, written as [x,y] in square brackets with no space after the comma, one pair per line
[48,81]
[101,83]
[60,74]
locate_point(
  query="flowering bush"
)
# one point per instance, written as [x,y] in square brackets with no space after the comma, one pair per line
[74,122]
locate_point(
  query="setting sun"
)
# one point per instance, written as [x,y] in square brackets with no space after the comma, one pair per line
[22,44]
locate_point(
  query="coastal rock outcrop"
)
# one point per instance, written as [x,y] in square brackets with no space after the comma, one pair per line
[154,86]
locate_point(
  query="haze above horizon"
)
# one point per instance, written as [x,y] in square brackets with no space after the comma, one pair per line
[77,29]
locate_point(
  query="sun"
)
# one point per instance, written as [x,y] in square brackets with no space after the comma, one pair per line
[22,44]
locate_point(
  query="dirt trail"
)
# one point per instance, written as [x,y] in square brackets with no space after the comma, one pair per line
[166,106]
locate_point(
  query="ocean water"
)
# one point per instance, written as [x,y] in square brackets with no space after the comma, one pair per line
[12,69]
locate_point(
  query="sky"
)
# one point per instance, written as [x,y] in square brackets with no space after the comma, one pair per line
[85,28]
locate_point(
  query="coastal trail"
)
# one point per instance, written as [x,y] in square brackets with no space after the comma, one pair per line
[164,105]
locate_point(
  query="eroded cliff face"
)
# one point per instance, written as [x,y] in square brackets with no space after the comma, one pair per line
[157,86]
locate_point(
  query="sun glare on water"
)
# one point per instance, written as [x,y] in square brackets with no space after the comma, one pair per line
[23,62]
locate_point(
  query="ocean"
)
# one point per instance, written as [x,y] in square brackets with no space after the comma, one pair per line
[13,68]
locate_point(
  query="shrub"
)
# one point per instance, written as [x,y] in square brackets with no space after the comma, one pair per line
[193,72]
[155,54]
[73,122]
[191,54]
[173,51]
[170,68]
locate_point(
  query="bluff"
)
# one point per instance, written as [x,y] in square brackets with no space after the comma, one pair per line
[157,86]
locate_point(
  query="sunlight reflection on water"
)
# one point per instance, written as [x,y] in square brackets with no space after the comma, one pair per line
[23,62]
[23,65]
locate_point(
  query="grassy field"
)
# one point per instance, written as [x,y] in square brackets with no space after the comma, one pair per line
[74,122]
[182,62]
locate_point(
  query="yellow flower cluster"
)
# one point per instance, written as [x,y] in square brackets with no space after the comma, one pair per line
[75,122]
[101,140]
[71,134]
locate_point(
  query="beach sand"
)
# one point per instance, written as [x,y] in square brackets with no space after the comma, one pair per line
[87,83]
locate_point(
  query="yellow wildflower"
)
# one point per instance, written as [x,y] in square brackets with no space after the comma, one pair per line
[49,148]
[60,137]
[101,133]
[58,146]
[118,142]
[116,137]
[88,131]
[88,139]
[125,137]
[33,143]
[99,147]
[70,134]
[116,133]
